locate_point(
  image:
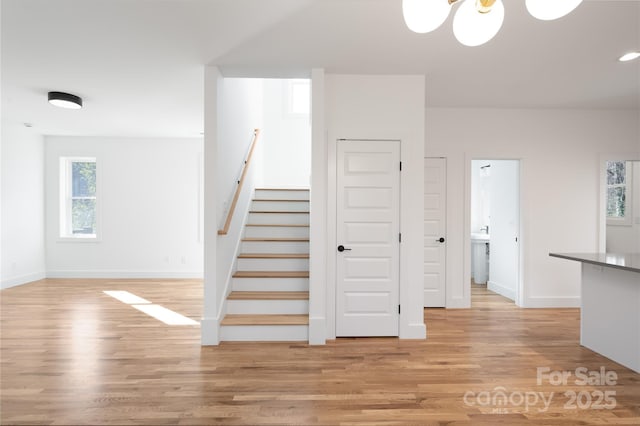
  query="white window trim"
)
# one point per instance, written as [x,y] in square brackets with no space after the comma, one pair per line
[64,234]
[627,220]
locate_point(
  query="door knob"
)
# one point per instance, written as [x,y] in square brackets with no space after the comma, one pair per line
[341,248]
[440,240]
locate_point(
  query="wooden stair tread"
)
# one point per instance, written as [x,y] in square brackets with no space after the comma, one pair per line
[282,189]
[277,212]
[279,200]
[251,319]
[293,225]
[273,256]
[268,295]
[276,239]
[271,274]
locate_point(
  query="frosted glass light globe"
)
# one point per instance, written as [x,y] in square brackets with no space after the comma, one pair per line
[473,28]
[548,10]
[423,16]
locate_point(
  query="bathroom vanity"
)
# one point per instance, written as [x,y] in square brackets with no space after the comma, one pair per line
[610,305]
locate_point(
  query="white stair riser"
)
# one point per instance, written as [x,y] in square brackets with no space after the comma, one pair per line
[275,247]
[270,284]
[271,333]
[266,307]
[278,218]
[280,206]
[276,232]
[273,264]
[281,195]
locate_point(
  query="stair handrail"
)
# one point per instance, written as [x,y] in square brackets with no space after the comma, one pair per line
[239,183]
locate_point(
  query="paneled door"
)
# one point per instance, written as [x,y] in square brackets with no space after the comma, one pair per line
[368,231]
[435,226]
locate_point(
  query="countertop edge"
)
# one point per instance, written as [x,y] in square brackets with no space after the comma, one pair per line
[577,258]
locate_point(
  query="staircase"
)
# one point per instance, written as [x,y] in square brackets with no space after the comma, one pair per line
[269,299]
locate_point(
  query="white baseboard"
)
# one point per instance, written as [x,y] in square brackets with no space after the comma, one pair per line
[23,279]
[125,274]
[413,331]
[209,332]
[317,331]
[501,290]
[552,302]
[458,304]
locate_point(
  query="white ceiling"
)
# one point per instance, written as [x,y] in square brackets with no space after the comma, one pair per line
[138,64]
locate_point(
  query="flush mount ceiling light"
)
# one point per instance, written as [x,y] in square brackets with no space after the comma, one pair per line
[629,56]
[476,21]
[65,100]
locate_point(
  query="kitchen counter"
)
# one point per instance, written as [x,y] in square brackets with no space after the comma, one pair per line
[610,305]
[625,261]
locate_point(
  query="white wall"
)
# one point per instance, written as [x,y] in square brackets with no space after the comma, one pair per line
[241,113]
[559,152]
[23,250]
[233,109]
[149,213]
[480,205]
[626,239]
[286,140]
[379,107]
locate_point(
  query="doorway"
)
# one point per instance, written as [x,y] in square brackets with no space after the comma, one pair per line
[367,233]
[495,227]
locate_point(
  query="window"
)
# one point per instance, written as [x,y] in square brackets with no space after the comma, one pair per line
[618,193]
[78,189]
[299,99]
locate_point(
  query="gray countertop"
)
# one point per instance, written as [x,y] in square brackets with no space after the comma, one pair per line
[625,261]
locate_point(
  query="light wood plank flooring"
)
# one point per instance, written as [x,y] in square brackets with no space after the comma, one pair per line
[73,355]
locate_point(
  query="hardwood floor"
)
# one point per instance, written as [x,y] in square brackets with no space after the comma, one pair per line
[72,355]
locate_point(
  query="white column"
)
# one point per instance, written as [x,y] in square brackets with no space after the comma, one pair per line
[210,317]
[318,214]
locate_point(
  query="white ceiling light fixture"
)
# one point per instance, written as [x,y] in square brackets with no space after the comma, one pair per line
[473,27]
[548,10]
[476,21]
[423,16]
[629,56]
[65,100]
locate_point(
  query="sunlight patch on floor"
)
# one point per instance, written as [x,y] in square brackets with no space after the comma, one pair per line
[126,297]
[158,312]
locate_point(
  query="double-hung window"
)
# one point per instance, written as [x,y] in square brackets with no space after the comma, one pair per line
[619,193]
[78,203]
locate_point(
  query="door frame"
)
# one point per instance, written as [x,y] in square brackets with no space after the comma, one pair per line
[446,224]
[332,242]
[521,295]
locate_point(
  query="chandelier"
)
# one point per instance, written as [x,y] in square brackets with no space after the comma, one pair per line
[476,21]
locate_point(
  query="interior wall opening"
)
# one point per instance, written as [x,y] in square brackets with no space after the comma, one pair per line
[286,134]
[495,229]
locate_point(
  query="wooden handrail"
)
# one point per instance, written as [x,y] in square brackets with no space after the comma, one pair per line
[232,208]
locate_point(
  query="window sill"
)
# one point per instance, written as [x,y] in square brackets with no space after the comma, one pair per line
[619,222]
[79,240]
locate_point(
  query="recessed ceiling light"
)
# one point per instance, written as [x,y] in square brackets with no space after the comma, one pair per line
[65,100]
[28,124]
[629,56]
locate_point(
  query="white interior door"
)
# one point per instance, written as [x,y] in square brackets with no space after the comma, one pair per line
[504,250]
[435,214]
[368,230]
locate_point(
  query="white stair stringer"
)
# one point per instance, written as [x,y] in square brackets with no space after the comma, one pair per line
[269,299]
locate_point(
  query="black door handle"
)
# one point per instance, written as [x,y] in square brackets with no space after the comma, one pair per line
[341,248]
[440,240]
